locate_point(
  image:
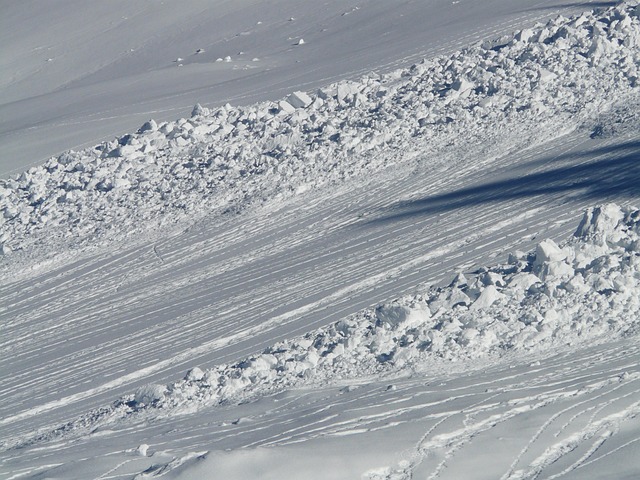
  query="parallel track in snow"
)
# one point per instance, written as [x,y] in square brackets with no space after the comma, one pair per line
[86,333]
[562,414]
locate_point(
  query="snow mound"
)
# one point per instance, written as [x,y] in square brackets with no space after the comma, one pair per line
[577,293]
[526,88]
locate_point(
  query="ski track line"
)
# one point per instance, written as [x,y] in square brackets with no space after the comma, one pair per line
[550,421]
[365,284]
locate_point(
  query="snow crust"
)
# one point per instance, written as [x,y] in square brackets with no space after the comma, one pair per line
[581,292]
[562,75]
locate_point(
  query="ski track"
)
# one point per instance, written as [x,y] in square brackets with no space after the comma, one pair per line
[472,414]
[197,293]
[76,332]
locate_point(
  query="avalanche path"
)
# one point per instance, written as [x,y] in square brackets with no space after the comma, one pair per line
[96,322]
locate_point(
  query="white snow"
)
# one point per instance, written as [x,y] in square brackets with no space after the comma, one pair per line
[84,73]
[595,298]
[233,156]
[317,283]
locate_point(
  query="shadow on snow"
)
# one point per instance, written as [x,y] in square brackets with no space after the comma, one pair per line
[605,174]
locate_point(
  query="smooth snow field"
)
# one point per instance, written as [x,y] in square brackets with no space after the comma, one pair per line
[320,240]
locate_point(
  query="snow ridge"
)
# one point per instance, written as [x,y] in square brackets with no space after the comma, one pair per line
[580,292]
[527,88]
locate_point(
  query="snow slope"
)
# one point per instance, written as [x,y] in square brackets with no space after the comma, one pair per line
[278,227]
[82,72]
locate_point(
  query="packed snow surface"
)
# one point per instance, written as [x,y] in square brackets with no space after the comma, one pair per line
[259,249]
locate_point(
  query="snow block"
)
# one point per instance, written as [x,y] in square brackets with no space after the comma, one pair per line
[150,394]
[286,107]
[347,89]
[299,100]
[199,110]
[194,374]
[523,281]
[546,75]
[487,298]
[598,221]
[548,251]
[524,35]
[395,314]
[462,85]
[150,126]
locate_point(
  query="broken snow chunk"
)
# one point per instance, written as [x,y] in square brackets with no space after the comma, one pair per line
[523,281]
[199,110]
[559,269]
[395,314]
[286,107]
[347,89]
[516,257]
[492,278]
[462,85]
[150,394]
[548,251]
[486,102]
[150,126]
[524,35]
[325,93]
[599,221]
[448,299]
[487,298]
[194,375]
[142,450]
[576,285]
[546,75]
[121,182]
[459,281]
[299,100]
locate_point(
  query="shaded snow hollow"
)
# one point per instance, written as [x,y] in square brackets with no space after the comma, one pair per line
[520,91]
[580,292]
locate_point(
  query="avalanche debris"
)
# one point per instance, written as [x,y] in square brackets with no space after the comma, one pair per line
[524,88]
[583,291]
